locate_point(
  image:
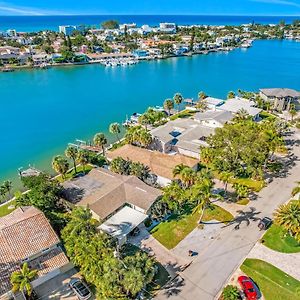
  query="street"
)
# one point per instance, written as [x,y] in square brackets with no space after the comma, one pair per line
[205,278]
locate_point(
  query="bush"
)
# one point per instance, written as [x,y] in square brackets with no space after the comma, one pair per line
[230,292]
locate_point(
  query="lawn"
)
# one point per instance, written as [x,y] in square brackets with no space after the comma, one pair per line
[265,115]
[177,227]
[217,213]
[279,240]
[183,114]
[71,173]
[4,209]
[273,283]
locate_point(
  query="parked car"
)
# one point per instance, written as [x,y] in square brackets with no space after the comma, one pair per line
[264,223]
[248,287]
[80,289]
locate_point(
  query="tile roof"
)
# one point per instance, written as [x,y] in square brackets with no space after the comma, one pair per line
[23,233]
[105,192]
[160,164]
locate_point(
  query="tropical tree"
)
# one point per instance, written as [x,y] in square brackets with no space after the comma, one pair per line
[185,173]
[145,120]
[115,128]
[288,216]
[174,196]
[202,95]
[178,100]
[120,166]
[82,158]
[168,105]
[72,152]
[225,178]
[100,141]
[293,111]
[230,95]
[21,279]
[60,165]
[242,191]
[230,292]
[202,105]
[242,114]
[137,135]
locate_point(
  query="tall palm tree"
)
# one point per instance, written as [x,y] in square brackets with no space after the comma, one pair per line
[21,279]
[288,216]
[144,138]
[115,128]
[178,100]
[100,141]
[60,165]
[82,158]
[72,152]
[168,105]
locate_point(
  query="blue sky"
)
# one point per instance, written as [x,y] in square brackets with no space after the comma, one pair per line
[204,7]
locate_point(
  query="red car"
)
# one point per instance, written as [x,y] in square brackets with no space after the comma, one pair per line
[248,288]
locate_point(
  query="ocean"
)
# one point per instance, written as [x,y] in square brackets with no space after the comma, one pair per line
[44,110]
[37,23]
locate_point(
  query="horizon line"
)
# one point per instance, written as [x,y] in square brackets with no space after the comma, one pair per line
[203,15]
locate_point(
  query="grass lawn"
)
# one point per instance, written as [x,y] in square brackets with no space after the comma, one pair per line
[4,209]
[277,239]
[177,227]
[71,174]
[183,114]
[243,201]
[265,115]
[273,283]
[217,213]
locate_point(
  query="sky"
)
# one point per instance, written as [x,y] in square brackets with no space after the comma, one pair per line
[151,7]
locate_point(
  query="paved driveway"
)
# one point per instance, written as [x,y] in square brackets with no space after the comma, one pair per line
[222,256]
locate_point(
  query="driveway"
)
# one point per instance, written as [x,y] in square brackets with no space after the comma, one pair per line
[222,256]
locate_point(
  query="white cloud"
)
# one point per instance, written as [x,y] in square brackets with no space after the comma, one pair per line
[279,2]
[10,9]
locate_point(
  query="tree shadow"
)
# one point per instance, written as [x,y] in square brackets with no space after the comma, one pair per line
[244,217]
[173,287]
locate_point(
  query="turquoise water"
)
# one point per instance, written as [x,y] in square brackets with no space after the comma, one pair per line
[43,110]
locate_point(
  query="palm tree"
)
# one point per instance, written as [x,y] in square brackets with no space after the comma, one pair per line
[100,141]
[241,190]
[82,158]
[178,100]
[202,95]
[230,95]
[21,279]
[178,169]
[145,120]
[288,216]
[241,114]
[225,178]
[168,105]
[7,185]
[202,105]
[293,111]
[145,138]
[115,128]
[60,165]
[72,152]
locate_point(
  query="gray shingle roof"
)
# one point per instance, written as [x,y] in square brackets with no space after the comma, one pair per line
[221,116]
[280,92]
[236,104]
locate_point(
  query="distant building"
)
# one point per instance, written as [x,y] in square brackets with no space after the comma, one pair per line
[131,25]
[27,236]
[281,98]
[11,32]
[140,54]
[69,29]
[167,27]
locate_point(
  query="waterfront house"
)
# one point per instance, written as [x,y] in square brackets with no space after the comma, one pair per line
[182,136]
[281,98]
[169,28]
[27,236]
[214,119]
[213,103]
[121,202]
[237,104]
[140,54]
[159,163]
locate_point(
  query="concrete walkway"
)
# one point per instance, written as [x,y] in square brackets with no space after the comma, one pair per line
[287,262]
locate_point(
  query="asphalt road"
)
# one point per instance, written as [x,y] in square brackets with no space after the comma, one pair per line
[214,265]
